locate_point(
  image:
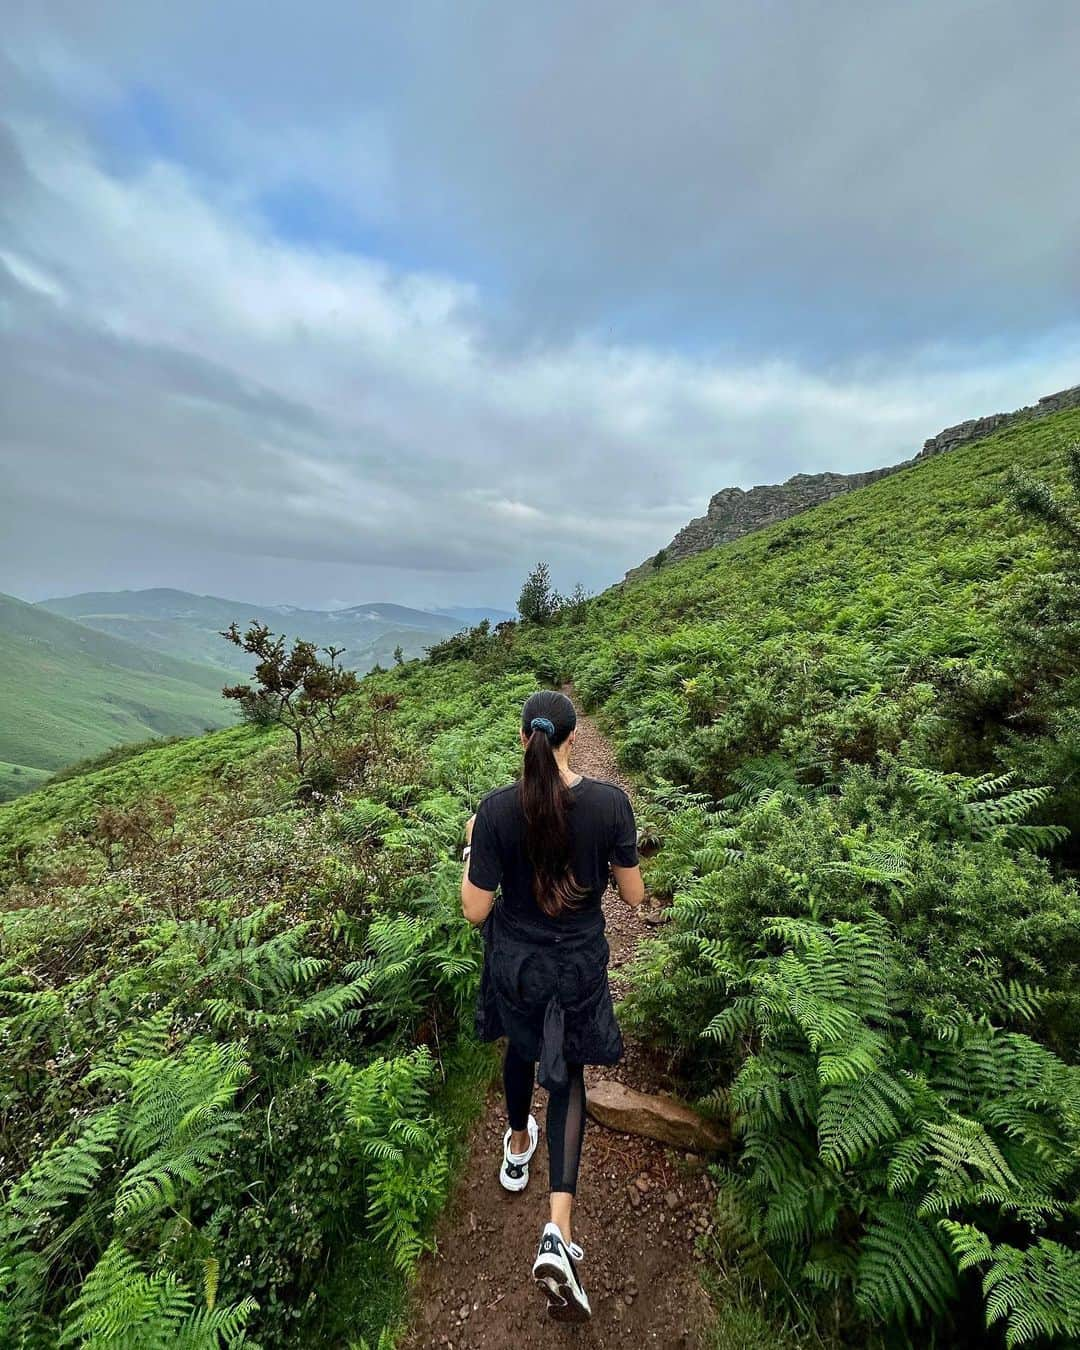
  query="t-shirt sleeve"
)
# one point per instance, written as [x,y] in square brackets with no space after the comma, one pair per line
[624,846]
[485,865]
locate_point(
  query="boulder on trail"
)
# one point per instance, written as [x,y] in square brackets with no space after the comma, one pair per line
[654,1115]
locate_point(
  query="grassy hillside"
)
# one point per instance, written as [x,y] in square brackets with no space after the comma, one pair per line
[70,692]
[874,605]
[18,778]
[857,734]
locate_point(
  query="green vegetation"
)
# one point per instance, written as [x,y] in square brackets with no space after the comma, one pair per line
[232,1006]
[232,1076]
[70,692]
[539,601]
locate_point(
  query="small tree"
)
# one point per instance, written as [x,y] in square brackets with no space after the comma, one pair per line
[399,655]
[294,689]
[659,559]
[574,604]
[538,601]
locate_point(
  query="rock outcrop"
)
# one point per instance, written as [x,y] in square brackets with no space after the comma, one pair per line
[654,1115]
[978,427]
[734,512]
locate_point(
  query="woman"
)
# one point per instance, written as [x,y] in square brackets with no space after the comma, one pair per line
[548,841]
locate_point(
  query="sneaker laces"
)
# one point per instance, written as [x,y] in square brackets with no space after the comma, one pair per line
[571,1247]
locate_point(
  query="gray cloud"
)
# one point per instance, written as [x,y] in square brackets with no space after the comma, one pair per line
[603,261]
[798,175]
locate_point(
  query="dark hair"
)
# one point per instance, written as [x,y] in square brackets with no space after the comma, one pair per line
[547,719]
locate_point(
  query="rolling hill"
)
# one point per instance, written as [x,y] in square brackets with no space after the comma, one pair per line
[180,624]
[70,692]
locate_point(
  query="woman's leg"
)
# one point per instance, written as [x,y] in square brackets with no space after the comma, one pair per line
[518,1086]
[566,1129]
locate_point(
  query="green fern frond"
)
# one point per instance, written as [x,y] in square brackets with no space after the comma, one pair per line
[903,1270]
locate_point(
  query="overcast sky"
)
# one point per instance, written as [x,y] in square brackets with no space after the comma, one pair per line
[327,303]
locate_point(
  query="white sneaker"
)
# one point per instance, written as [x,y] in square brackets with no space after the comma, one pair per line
[514,1172]
[556,1274]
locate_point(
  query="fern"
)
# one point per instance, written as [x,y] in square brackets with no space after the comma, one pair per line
[981,808]
[1034,1290]
[180,1123]
[70,1168]
[903,1269]
[121,1306]
[392,1134]
[855,1118]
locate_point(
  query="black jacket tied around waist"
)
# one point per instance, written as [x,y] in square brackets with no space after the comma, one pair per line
[549,996]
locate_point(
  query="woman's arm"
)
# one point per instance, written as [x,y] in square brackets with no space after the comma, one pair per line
[630,886]
[475,903]
[625,870]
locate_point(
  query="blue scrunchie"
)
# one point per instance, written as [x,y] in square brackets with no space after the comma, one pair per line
[544,724]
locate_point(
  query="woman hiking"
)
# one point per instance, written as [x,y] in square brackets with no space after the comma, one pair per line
[548,841]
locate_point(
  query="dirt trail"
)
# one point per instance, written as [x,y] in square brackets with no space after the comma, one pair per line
[638,1208]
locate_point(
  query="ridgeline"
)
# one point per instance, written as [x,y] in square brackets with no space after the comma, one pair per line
[733,511]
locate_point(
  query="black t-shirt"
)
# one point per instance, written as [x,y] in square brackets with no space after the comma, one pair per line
[602,831]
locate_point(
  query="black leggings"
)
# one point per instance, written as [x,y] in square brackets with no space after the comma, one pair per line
[565,1118]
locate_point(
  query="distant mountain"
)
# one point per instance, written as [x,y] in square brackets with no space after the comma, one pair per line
[733,512]
[70,692]
[179,624]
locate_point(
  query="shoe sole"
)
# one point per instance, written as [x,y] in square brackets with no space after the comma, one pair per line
[559,1292]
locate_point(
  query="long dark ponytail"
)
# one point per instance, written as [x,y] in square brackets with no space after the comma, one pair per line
[547,719]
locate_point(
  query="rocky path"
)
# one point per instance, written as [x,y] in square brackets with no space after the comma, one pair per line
[639,1208]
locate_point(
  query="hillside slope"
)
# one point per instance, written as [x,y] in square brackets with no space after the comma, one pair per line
[69,692]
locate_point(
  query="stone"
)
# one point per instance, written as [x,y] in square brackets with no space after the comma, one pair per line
[654,1115]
